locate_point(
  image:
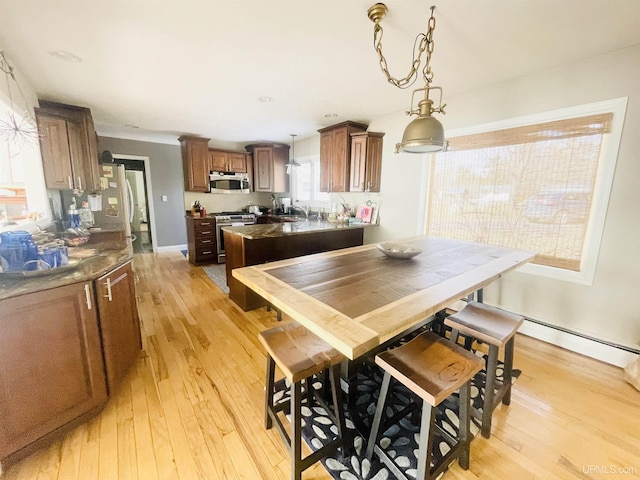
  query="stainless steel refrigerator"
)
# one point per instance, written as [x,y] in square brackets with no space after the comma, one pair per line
[113,207]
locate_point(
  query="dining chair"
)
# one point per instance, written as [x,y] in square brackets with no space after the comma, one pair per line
[496,328]
[433,368]
[301,355]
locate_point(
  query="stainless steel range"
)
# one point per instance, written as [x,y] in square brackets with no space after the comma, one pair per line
[229,219]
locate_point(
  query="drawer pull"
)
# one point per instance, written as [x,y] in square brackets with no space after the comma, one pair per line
[206,232]
[108,284]
[207,252]
[88,295]
[205,224]
[207,241]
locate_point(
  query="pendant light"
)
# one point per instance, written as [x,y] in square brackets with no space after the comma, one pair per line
[425,133]
[292,162]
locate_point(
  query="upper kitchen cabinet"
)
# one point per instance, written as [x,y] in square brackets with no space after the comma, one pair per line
[366,161]
[269,167]
[335,155]
[227,161]
[69,147]
[195,161]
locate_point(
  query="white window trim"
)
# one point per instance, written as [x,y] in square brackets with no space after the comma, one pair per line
[602,188]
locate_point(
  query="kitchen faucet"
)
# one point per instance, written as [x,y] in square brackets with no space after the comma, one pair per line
[302,209]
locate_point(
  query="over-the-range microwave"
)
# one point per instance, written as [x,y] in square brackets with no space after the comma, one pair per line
[228,182]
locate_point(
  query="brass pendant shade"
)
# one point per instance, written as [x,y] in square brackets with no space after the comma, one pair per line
[424,134]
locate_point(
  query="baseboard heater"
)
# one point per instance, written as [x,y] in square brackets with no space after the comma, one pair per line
[586,337]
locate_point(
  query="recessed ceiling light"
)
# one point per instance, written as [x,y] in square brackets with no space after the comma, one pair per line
[65,55]
[330,115]
[266,99]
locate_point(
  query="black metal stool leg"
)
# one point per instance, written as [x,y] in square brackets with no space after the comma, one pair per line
[268,392]
[296,431]
[426,440]
[336,394]
[489,391]
[464,409]
[377,418]
[509,348]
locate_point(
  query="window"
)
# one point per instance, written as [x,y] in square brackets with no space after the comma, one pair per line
[539,183]
[305,183]
[23,196]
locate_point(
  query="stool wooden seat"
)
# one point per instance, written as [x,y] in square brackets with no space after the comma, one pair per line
[300,354]
[497,329]
[433,368]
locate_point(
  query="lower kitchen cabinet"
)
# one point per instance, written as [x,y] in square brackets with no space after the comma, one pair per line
[201,240]
[51,366]
[119,322]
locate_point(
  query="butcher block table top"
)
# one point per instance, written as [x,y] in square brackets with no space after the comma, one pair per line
[357,298]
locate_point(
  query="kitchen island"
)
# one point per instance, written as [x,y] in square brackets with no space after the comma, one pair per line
[256,244]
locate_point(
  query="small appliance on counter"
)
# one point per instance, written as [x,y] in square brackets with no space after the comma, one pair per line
[285,202]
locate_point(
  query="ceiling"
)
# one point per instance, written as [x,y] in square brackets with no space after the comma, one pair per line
[172,67]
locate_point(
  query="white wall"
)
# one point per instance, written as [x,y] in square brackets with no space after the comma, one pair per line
[606,310]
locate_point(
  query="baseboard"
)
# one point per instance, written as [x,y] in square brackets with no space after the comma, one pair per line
[609,353]
[171,248]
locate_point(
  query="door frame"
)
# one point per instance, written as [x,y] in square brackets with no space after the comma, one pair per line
[147,178]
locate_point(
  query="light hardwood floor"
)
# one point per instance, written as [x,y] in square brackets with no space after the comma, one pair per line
[191,408]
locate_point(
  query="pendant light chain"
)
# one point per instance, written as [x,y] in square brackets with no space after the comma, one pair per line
[424,44]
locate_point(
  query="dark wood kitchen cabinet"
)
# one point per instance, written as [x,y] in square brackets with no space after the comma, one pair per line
[227,161]
[51,367]
[366,161]
[269,167]
[335,155]
[68,145]
[119,322]
[195,162]
[201,240]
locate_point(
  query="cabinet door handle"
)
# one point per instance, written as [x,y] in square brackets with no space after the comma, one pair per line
[108,284]
[87,294]
[79,183]
[70,182]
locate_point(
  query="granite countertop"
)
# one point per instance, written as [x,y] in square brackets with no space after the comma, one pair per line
[269,230]
[108,255]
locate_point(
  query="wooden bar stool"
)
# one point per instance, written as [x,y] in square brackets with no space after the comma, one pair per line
[433,368]
[497,329]
[300,354]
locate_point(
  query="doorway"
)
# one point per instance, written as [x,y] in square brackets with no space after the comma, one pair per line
[139,218]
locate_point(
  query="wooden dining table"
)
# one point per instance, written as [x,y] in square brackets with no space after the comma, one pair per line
[357,298]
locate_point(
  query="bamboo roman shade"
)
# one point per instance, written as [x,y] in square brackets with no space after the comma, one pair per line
[528,187]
